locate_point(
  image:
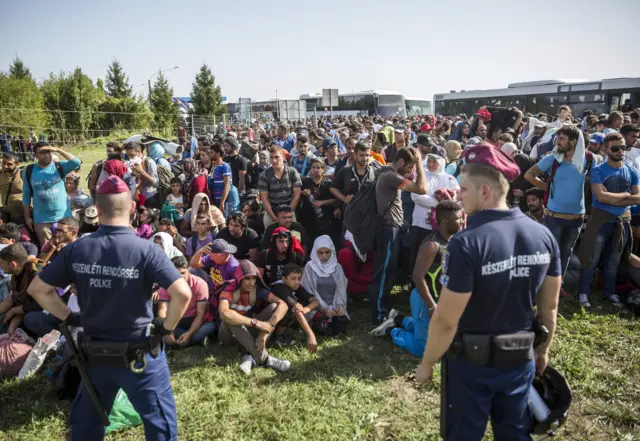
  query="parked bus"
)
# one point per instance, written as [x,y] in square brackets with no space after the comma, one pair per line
[367,102]
[417,106]
[601,96]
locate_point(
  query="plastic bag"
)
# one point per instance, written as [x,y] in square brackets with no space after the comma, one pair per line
[122,415]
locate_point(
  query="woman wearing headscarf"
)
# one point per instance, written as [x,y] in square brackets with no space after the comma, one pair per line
[166,241]
[324,279]
[119,169]
[201,205]
[453,151]
[156,152]
[195,180]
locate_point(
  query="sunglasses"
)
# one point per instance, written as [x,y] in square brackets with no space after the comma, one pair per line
[617,148]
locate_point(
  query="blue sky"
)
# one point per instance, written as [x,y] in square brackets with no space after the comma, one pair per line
[417,47]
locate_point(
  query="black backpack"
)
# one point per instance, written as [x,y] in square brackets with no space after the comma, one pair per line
[29,173]
[361,217]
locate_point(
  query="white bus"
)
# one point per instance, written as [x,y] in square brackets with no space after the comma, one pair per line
[368,102]
[602,96]
[417,106]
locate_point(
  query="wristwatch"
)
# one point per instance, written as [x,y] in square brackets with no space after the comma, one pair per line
[254,322]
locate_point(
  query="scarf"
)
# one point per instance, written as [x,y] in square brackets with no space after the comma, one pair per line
[294,247]
[578,155]
[115,167]
[323,269]
[194,209]
[310,283]
[349,236]
[167,245]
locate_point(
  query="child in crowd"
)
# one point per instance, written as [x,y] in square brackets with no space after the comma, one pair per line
[147,218]
[175,198]
[324,279]
[202,237]
[14,260]
[302,305]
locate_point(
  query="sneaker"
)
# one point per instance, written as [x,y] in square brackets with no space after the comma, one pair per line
[282,340]
[584,300]
[247,364]
[392,314]
[381,330]
[615,300]
[278,364]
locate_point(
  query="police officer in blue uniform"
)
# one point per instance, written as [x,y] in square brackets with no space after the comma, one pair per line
[113,271]
[493,274]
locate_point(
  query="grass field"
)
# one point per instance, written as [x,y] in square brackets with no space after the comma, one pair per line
[356,387]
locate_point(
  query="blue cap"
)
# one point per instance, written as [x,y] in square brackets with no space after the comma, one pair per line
[328,142]
[597,138]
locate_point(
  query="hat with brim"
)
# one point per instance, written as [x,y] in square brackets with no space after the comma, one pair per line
[222,246]
[91,215]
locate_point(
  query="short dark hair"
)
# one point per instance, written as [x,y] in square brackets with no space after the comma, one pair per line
[217,148]
[166,222]
[410,155]
[252,205]
[10,231]
[446,210]
[238,217]
[69,222]
[180,262]
[14,253]
[115,146]
[362,146]
[12,156]
[291,268]
[571,132]
[284,209]
[275,148]
[614,136]
[624,130]
[634,115]
[615,115]
[175,180]
[302,138]
[40,144]
[134,145]
[535,191]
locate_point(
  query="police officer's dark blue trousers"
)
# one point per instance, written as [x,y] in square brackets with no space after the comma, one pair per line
[150,393]
[385,267]
[476,394]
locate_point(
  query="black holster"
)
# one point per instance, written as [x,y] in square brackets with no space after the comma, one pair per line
[502,351]
[116,353]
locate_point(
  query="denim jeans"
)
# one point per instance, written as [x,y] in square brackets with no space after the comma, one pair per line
[40,323]
[204,331]
[611,259]
[566,232]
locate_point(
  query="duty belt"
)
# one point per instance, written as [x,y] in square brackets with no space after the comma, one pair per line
[501,351]
[119,354]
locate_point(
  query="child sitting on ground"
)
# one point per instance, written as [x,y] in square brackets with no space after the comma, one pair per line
[302,305]
[175,198]
[147,217]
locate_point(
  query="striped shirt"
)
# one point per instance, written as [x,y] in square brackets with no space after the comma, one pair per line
[280,191]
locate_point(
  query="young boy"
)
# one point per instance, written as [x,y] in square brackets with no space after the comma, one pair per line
[301,304]
[14,260]
[202,237]
[175,198]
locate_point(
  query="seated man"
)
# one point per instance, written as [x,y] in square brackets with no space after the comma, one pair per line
[410,333]
[238,234]
[356,266]
[283,249]
[217,261]
[302,305]
[66,231]
[249,314]
[202,237]
[10,234]
[191,328]
[14,260]
[284,214]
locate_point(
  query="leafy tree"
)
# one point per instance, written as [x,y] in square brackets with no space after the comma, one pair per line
[117,82]
[132,114]
[17,94]
[206,96]
[166,112]
[19,70]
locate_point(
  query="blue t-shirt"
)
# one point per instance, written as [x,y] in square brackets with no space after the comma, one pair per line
[287,144]
[216,181]
[614,180]
[50,196]
[502,258]
[114,271]
[566,194]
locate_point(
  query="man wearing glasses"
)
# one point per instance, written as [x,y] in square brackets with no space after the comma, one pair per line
[615,189]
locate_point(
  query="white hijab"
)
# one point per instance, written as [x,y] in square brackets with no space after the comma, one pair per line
[349,236]
[329,267]
[167,245]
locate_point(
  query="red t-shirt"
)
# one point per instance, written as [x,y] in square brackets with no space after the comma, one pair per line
[199,293]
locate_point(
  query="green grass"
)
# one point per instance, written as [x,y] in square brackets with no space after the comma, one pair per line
[356,388]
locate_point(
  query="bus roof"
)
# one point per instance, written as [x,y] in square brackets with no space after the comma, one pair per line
[362,92]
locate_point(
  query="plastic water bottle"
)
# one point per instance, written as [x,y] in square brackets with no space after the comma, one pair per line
[318,211]
[537,405]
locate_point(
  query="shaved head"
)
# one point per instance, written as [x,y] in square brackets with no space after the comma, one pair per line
[111,206]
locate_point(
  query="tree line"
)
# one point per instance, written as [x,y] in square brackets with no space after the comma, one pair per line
[70,106]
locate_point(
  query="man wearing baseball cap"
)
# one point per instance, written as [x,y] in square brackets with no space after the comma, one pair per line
[217,261]
[493,273]
[114,272]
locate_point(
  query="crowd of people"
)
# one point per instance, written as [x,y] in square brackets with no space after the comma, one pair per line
[253,219]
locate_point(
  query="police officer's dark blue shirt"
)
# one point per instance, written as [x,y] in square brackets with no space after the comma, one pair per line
[502,258]
[114,271]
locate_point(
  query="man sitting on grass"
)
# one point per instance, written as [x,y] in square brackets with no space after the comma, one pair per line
[249,314]
[14,260]
[302,305]
[191,328]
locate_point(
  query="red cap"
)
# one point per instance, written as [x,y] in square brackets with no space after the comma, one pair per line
[425,128]
[486,154]
[112,185]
